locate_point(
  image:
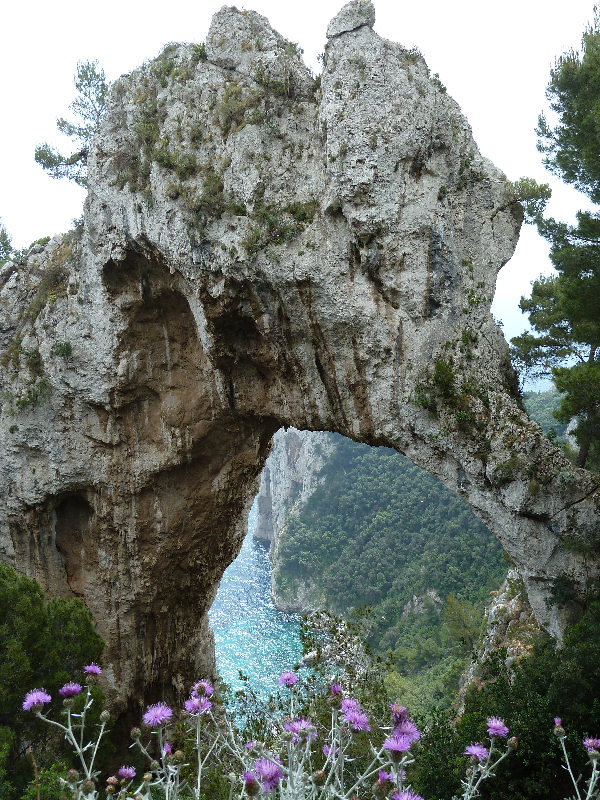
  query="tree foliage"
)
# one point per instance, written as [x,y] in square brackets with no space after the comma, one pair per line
[572,147]
[549,683]
[5,244]
[89,106]
[564,309]
[41,644]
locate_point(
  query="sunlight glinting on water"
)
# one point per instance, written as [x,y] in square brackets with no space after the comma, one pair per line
[250,634]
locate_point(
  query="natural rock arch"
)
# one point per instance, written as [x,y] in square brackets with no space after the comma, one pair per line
[260,250]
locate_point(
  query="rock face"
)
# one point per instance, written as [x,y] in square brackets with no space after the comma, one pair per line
[259,250]
[509,625]
[290,476]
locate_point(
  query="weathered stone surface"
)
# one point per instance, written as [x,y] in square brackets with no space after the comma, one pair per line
[352,16]
[509,627]
[290,476]
[256,252]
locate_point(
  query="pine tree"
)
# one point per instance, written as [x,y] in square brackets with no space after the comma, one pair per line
[88,107]
[564,309]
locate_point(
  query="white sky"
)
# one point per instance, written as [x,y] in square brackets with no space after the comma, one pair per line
[493,57]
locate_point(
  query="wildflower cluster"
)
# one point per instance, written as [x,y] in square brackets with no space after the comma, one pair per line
[302,759]
[484,760]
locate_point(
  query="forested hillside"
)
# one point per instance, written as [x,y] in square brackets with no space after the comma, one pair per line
[381,533]
[540,407]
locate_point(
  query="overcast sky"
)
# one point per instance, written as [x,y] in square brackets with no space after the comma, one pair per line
[494,59]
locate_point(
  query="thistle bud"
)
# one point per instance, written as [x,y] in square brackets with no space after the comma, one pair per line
[318,777]
[68,702]
[559,732]
[72,776]
[113,780]
[110,790]
[594,755]
[104,716]
[88,787]
[513,743]
[135,733]
[251,785]
[154,765]
[147,777]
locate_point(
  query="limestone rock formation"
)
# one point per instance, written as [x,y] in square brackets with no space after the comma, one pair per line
[262,249]
[509,626]
[291,474]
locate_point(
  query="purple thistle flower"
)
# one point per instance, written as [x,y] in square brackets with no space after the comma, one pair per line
[496,727]
[92,669]
[268,773]
[350,704]
[197,705]
[398,744]
[383,777]
[70,690]
[202,687]
[328,750]
[591,744]
[192,705]
[302,728]
[478,751]
[558,722]
[335,689]
[250,784]
[406,794]
[35,699]
[287,678]
[127,772]
[407,727]
[157,714]
[167,749]
[357,719]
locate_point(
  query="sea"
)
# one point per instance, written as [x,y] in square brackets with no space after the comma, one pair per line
[251,635]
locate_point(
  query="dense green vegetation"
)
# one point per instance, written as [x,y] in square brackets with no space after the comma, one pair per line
[382,533]
[550,683]
[541,407]
[41,645]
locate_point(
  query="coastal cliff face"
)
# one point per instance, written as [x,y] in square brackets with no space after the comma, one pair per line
[260,250]
[291,474]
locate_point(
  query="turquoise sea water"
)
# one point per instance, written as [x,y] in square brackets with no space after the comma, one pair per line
[250,634]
